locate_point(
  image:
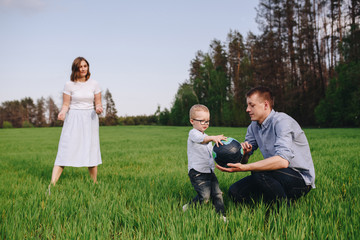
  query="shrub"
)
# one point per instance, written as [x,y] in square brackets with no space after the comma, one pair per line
[27,124]
[7,124]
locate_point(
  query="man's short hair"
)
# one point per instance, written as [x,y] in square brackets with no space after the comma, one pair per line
[264,92]
[195,108]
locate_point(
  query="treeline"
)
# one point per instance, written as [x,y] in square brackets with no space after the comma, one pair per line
[110,117]
[307,53]
[26,113]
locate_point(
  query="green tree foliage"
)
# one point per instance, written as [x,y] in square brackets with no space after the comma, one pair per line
[138,120]
[351,44]
[217,79]
[27,124]
[295,55]
[110,110]
[25,113]
[12,112]
[53,112]
[341,106]
[40,120]
[7,124]
[162,117]
[210,84]
[308,50]
[184,99]
[219,84]
[29,110]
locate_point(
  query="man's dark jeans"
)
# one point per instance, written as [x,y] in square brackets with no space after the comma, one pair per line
[271,185]
[207,186]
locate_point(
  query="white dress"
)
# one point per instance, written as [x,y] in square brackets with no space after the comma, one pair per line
[79,144]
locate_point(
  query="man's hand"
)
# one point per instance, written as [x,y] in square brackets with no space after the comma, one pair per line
[233,167]
[247,147]
[267,164]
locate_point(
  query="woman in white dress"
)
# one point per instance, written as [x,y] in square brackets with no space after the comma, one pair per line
[79,144]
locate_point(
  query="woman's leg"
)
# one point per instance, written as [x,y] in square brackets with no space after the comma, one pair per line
[93,173]
[56,173]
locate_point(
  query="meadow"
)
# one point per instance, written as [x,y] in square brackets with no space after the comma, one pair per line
[143,184]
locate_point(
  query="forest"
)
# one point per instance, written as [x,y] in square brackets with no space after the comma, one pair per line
[307,53]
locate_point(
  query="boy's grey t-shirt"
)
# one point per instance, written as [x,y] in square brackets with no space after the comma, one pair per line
[199,155]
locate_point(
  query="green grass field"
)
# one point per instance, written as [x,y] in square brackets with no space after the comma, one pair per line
[143,183]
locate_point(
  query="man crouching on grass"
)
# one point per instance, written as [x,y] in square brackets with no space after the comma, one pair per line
[287,170]
[201,165]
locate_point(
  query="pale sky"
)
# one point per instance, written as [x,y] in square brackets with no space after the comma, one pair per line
[140,50]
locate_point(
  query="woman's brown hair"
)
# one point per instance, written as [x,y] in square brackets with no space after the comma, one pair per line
[75,74]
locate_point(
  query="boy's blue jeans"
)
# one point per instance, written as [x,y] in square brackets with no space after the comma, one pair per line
[271,185]
[207,186]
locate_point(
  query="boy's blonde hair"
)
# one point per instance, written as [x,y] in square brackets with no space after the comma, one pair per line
[197,107]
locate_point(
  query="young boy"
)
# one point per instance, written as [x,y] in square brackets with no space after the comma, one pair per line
[200,162]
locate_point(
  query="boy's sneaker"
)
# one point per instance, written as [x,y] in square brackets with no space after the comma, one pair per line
[223,218]
[185,207]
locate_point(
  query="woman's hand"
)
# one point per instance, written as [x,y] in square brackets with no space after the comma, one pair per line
[98,106]
[65,107]
[98,109]
[62,115]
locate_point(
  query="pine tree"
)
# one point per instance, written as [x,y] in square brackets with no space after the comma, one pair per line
[40,113]
[53,112]
[29,110]
[110,110]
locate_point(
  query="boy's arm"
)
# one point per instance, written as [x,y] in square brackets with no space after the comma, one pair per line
[216,139]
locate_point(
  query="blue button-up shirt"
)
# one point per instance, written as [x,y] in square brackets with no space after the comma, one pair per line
[199,154]
[280,135]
